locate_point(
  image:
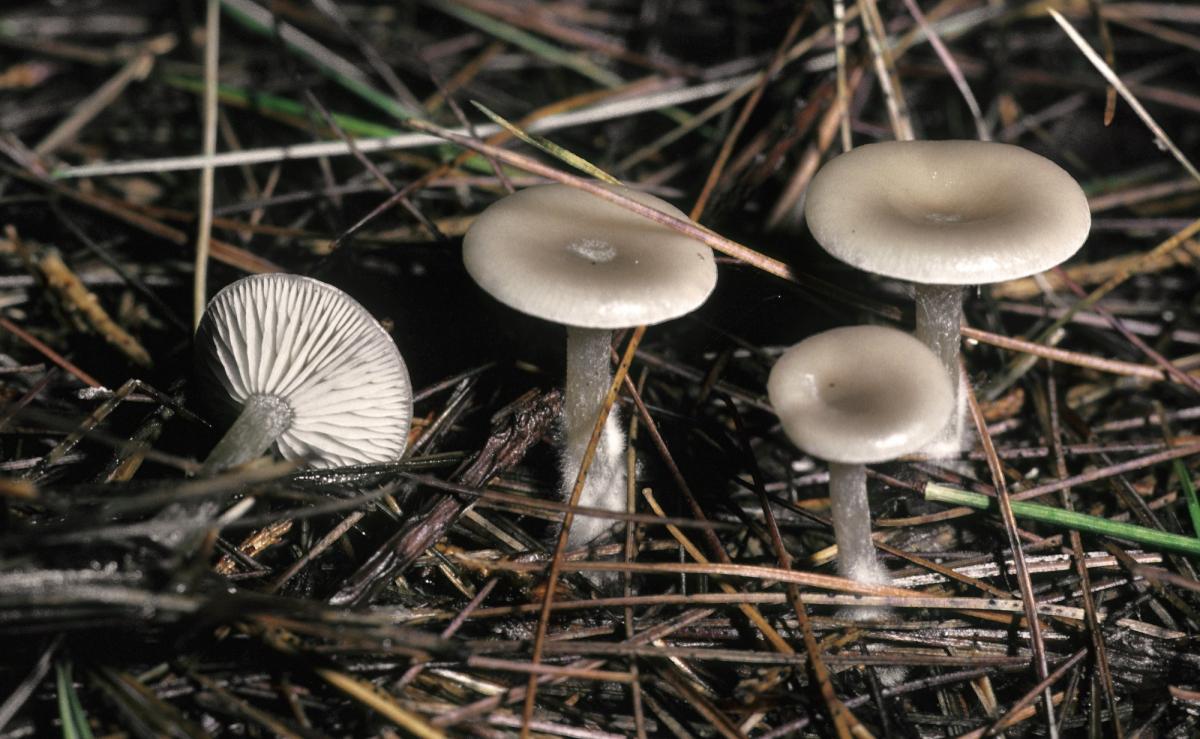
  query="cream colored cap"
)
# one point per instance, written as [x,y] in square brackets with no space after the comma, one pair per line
[565,255]
[860,394]
[947,212]
[313,346]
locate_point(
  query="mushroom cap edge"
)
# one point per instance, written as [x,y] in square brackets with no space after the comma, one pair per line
[564,255]
[947,212]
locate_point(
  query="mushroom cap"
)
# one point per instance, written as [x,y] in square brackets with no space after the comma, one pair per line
[860,394]
[316,348]
[565,255]
[947,212]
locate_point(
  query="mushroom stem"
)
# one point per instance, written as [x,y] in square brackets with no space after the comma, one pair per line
[939,324]
[852,524]
[589,375]
[262,420]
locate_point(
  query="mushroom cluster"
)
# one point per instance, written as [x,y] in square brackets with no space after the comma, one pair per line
[943,215]
[309,371]
[567,256]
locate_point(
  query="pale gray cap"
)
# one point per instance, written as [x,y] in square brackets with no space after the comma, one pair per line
[947,212]
[565,255]
[313,346]
[860,394]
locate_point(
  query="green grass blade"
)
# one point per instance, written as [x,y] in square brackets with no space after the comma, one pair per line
[548,146]
[255,18]
[1068,519]
[529,42]
[1189,492]
[70,710]
[535,45]
[281,106]
[294,113]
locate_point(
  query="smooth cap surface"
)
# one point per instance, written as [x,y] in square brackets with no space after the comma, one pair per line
[947,212]
[564,255]
[315,347]
[860,394]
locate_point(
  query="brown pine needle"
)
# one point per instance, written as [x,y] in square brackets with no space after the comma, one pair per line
[1108,74]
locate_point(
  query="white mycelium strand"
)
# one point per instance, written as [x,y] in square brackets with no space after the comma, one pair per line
[323,354]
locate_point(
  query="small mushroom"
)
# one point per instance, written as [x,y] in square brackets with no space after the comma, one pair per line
[304,367]
[564,255]
[854,396]
[945,214]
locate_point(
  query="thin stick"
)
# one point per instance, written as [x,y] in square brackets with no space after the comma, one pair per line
[714,544]
[1108,74]
[1012,715]
[1100,653]
[629,553]
[694,552]
[1014,541]
[455,624]
[221,251]
[952,68]
[843,719]
[135,69]
[743,118]
[1100,364]
[602,112]
[374,698]
[212,39]
[1168,366]
[843,94]
[740,599]
[885,70]
[49,353]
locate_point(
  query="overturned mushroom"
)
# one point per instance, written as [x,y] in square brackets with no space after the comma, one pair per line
[304,368]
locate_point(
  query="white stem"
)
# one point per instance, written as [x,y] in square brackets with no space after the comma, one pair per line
[262,420]
[852,524]
[939,327]
[589,375]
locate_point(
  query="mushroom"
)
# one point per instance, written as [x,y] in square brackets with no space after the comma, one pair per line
[855,396]
[564,255]
[304,367]
[943,215]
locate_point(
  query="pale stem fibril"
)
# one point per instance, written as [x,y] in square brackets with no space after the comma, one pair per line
[939,325]
[263,419]
[589,375]
[856,558]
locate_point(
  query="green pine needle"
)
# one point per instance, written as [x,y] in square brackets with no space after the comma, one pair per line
[1189,492]
[1068,519]
[70,710]
[567,157]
